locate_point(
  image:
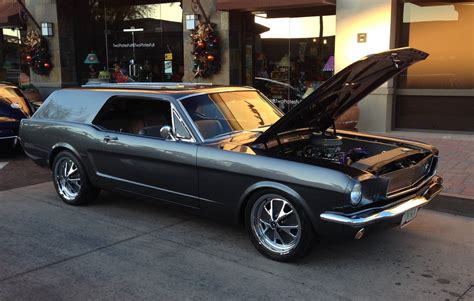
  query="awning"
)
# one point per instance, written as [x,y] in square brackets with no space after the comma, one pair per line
[112,3]
[8,8]
[264,5]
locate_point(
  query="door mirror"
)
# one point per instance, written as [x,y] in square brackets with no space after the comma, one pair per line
[166,132]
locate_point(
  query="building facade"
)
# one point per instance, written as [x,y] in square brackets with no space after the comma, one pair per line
[296,42]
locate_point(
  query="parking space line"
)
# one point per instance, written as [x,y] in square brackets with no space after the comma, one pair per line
[3,164]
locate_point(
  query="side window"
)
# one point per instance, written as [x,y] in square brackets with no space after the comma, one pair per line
[139,116]
[181,131]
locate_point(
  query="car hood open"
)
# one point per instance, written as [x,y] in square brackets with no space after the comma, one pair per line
[346,88]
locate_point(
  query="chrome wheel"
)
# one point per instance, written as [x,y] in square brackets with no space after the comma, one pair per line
[276,224]
[68,178]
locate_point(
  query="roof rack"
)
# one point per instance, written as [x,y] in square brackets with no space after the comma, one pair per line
[148,85]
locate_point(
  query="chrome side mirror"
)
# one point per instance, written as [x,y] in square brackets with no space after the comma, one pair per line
[166,132]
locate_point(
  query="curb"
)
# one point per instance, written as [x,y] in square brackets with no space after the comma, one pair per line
[453,204]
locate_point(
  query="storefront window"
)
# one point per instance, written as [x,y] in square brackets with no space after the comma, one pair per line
[438,93]
[293,56]
[11,63]
[131,42]
[445,32]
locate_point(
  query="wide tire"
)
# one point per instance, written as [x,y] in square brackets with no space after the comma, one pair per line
[71,181]
[278,226]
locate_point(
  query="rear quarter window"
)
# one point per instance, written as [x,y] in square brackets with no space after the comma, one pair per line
[71,105]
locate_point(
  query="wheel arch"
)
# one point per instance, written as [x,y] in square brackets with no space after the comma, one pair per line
[278,187]
[57,148]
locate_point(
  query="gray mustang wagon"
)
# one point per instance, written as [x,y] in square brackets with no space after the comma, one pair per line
[229,153]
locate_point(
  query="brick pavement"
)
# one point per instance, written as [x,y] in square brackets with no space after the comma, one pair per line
[456,164]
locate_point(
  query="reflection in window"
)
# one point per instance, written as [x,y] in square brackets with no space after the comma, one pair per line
[296,51]
[221,113]
[445,32]
[104,28]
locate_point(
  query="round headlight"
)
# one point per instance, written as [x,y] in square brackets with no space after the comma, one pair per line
[356,194]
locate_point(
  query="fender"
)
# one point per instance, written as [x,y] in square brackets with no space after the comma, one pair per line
[57,148]
[276,186]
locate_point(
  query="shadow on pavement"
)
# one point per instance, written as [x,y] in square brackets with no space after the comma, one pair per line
[20,171]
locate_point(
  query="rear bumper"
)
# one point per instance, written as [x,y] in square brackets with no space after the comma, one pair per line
[376,215]
[11,140]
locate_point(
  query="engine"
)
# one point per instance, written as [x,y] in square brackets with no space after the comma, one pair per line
[324,146]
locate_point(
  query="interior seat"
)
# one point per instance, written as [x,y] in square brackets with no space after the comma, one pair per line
[124,125]
[209,127]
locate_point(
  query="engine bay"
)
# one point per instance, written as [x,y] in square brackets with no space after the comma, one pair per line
[330,147]
[334,148]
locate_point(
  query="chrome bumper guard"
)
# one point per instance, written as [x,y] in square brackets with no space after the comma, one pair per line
[356,221]
[14,138]
[9,137]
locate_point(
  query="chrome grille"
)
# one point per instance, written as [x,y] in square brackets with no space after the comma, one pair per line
[411,176]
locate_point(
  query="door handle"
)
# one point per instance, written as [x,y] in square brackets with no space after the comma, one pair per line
[108,138]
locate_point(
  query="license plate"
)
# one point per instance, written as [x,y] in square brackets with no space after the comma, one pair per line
[408,216]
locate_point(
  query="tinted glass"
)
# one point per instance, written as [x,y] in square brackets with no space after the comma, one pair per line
[221,113]
[444,30]
[134,116]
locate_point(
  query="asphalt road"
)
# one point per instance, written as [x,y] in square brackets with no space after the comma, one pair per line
[17,170]
[122,249]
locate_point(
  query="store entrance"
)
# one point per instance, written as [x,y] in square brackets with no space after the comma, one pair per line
[131,41]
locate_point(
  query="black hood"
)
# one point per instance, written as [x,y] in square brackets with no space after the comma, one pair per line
[346,88]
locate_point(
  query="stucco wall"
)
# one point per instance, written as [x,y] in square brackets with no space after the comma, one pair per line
[375,18]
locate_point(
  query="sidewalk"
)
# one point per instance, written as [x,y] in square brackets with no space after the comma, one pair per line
[456,164]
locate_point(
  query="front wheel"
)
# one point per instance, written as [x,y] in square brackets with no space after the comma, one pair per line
[277,226]
[71,181]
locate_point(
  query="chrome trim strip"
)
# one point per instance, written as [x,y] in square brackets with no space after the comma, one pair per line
[190,95]
[152,187]
[9,137]
[188,117]
[148,85]
[176,113]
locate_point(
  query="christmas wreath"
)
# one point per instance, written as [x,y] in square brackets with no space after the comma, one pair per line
[37,53]
[206,60]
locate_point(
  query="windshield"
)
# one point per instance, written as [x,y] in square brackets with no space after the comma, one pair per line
[220,113]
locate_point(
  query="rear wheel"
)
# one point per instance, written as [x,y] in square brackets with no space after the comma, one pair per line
[277,226]
[71,181]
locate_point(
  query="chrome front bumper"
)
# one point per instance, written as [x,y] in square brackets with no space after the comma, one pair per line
[360,219]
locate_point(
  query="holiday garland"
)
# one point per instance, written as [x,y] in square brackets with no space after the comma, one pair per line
[206,59]
[37,53]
